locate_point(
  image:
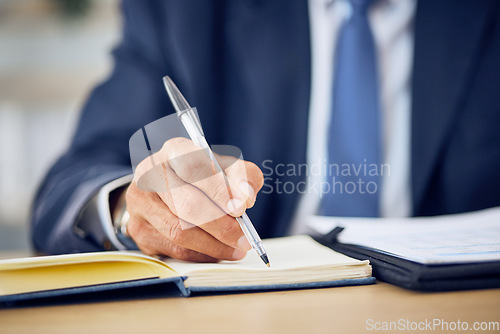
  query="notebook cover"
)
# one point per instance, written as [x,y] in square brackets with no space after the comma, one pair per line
[290,286]
[418,276]
[172,286]
[155,287]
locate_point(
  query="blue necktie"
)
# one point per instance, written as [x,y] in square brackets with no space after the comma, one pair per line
[354,142]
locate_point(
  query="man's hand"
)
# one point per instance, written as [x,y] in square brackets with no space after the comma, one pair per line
[180,207]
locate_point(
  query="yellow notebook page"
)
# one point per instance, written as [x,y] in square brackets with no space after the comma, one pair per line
[66,271]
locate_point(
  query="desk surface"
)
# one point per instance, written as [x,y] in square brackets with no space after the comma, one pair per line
[339,310]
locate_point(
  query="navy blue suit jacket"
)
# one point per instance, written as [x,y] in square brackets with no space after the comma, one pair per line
[246,65]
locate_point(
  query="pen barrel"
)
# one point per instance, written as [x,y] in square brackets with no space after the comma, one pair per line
[251,234]
[190,121]
[189,118]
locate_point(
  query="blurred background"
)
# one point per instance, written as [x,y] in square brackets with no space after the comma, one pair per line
[52,52]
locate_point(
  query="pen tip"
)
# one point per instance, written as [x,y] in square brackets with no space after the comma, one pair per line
[265,260]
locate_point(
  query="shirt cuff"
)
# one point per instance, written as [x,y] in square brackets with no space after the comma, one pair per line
[95,220]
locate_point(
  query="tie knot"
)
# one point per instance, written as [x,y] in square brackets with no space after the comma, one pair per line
[361,6]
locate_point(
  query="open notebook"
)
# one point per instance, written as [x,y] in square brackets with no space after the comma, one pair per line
[296,262]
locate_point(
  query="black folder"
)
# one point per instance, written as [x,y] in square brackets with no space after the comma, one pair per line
[418,276]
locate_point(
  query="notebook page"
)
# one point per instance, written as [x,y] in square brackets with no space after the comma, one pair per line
[286,253]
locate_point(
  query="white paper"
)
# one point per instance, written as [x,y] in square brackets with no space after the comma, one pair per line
[296,259]
[468,237]
[289,253]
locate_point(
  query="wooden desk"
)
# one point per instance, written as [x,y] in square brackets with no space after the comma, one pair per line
[334,310]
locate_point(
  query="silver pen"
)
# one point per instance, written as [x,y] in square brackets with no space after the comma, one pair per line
[193,127]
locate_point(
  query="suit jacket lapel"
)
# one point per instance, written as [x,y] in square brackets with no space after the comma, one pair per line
[448,36]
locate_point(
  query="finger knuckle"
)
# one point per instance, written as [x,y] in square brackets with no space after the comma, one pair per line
[177,147]
[194,167]
[228,232]
[163,226]
[185,206]
[174,143]
[175,231]
[220,193]
[180,253]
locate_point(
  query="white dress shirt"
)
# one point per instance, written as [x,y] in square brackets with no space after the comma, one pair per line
[392,26]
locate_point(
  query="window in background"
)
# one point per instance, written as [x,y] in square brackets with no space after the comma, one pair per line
[52,53]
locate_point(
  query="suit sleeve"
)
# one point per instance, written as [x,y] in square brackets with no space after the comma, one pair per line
[130,98]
